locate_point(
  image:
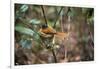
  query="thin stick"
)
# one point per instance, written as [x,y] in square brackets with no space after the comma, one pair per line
[57,17]
[44,14]
[61,22]
[55,59]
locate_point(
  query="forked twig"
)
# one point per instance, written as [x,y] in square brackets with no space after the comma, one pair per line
[57,17]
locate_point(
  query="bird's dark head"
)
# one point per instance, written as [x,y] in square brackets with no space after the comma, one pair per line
[44,26]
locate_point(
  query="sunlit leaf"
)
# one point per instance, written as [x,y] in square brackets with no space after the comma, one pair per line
[34,21]
[24,8]
[24,30]
[90,20]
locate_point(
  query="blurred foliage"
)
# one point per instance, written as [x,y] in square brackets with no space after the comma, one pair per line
[24,8]
[34,21]
[30,47]
[24,30]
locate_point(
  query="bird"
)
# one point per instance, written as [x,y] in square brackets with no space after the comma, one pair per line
[47,31]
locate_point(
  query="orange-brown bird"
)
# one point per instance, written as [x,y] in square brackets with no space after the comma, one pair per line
[47,31]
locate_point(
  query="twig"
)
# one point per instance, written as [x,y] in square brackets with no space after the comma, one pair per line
[57,17]
[69,10]
[55,59]
[53,52]
[44,14]
[61,22]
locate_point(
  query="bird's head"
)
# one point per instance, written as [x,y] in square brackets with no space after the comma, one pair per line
[44,26]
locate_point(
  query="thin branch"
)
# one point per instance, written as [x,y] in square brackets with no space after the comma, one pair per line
[44,14]
[69,10]
[61,23]
[57,17]
[55,59]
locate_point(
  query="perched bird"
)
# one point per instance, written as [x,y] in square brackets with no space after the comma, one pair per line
[47,32]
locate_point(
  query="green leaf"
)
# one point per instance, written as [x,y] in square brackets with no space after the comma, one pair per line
[24,8]
[34,21]
[25,43]
[24,30]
